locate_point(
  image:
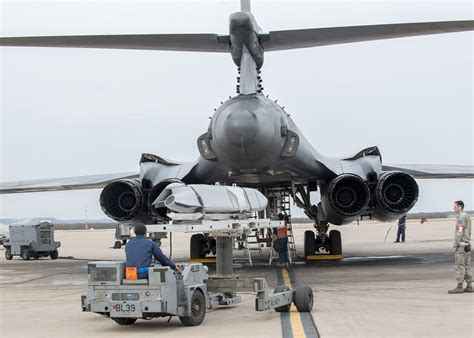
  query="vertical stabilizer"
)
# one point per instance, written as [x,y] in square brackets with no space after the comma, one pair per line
[245,6]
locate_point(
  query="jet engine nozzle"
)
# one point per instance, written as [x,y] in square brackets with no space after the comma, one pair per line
[396,194]
[122,200]
[344,198]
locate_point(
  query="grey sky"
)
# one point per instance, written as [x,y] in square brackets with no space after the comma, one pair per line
[68,112]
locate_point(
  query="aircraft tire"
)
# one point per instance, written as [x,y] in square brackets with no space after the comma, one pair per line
[335,242]
[309,243]
[196,246]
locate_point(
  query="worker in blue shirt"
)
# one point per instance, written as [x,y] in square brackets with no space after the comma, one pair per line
[402,225]
[140,250]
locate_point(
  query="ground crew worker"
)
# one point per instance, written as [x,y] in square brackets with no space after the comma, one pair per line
[402,225]
[140,250]
[282,237]
[462,248]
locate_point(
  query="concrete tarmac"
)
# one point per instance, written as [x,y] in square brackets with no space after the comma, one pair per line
[379,289]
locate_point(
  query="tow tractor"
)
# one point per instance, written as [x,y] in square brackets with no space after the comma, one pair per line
[166,293]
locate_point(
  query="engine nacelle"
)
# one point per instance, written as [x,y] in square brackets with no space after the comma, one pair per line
[122,200]
[155,192]
[396,193]
[344,198]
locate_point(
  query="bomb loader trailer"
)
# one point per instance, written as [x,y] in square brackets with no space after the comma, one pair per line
[225,285]
[31,241]
[225,213]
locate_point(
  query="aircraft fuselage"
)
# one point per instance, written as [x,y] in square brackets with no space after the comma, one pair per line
[251,139]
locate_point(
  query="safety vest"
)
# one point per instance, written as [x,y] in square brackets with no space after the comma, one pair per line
[282,232]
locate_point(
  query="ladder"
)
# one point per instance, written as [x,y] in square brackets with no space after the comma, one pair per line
[251,242]
[286,209]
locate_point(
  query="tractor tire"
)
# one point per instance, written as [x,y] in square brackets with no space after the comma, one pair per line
[125,321]
[309,243]
[198,310]
[25,253]
[335,242]
[304,298]
[280,289]
[196,246]
[54,254]
[8,254]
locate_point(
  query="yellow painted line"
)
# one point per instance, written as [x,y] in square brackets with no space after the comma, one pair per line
[325,257]
[202,260]
[295,319]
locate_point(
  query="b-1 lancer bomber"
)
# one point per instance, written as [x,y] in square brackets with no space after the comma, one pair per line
[253,142]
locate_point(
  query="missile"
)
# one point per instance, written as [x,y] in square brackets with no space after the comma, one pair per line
[211,199]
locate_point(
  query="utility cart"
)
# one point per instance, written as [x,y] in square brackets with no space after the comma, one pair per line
[122,235]
[31,241]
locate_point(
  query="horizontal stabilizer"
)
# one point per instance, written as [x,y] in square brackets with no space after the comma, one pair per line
[314,37]
[273,41]
[432,171]
[171,42]
[66,183]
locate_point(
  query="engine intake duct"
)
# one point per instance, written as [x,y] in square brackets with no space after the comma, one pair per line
[396,194]
[345,198]
[155,192]
[122,200]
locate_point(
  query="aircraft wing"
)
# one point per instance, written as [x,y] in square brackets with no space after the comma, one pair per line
[426,171]
[173,42]
[66,183]
[314,37]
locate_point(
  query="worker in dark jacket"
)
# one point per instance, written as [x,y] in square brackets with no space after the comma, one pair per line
[140,250]
[402,225]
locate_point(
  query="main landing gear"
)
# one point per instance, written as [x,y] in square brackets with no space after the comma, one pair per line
[322,242]
[202,245]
